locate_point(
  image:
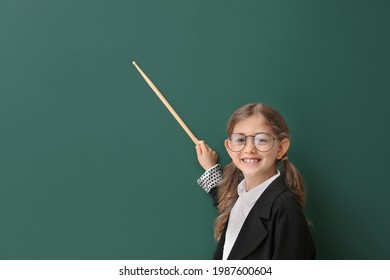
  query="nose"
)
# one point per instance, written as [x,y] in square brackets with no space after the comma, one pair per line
[250,145]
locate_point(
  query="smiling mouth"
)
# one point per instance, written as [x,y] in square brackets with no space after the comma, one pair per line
[251,160]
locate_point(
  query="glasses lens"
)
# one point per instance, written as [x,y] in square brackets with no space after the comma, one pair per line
[236,142]
[264,142]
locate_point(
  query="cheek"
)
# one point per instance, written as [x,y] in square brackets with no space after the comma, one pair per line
[274,155]
[236,161]
[233,156]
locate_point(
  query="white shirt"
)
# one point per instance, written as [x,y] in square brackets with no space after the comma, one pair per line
[240,211]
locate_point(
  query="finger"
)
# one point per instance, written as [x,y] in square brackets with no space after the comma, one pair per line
[202,145]
[198,150]
[205,147]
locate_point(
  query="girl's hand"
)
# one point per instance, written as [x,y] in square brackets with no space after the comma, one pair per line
[206,156]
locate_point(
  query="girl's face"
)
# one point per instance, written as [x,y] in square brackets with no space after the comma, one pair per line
[256,166]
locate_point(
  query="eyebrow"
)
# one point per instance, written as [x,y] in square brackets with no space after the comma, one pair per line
[252,134]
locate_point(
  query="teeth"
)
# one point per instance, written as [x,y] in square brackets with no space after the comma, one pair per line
[250,160]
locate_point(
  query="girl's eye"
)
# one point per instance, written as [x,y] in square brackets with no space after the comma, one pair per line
[262,139]
[239,140]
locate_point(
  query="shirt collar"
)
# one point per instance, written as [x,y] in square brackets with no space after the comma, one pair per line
[253,195]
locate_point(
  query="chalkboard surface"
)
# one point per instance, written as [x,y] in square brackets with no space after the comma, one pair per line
[94,167]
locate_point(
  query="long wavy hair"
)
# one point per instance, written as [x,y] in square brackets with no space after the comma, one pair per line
[232,176]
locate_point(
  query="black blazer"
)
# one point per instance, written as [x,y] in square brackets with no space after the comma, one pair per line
[275,228]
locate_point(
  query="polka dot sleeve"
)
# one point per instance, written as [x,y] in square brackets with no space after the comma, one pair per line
[210,178]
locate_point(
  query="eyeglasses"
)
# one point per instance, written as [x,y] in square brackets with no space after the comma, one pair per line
[262,141]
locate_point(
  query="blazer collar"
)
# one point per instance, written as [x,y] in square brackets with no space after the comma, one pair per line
[253,232]
[263,205]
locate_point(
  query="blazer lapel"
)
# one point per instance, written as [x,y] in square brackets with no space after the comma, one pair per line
[251,235]
[253,231]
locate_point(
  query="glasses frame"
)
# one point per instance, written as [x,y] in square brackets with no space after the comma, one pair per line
[253,136]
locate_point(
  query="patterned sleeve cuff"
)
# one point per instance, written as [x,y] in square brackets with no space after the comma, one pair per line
[210,178]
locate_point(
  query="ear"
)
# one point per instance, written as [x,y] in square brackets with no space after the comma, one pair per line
[283,148]
[227,148]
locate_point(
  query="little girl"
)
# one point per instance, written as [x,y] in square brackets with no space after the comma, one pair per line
[260,212]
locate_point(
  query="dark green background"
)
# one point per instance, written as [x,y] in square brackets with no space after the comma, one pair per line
[94,167]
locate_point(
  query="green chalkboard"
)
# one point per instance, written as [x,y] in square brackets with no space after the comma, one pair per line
[94,167]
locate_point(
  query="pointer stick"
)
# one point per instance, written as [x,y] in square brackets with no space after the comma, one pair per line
[166,103]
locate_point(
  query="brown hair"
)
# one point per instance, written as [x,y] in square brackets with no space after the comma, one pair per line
[232,176]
